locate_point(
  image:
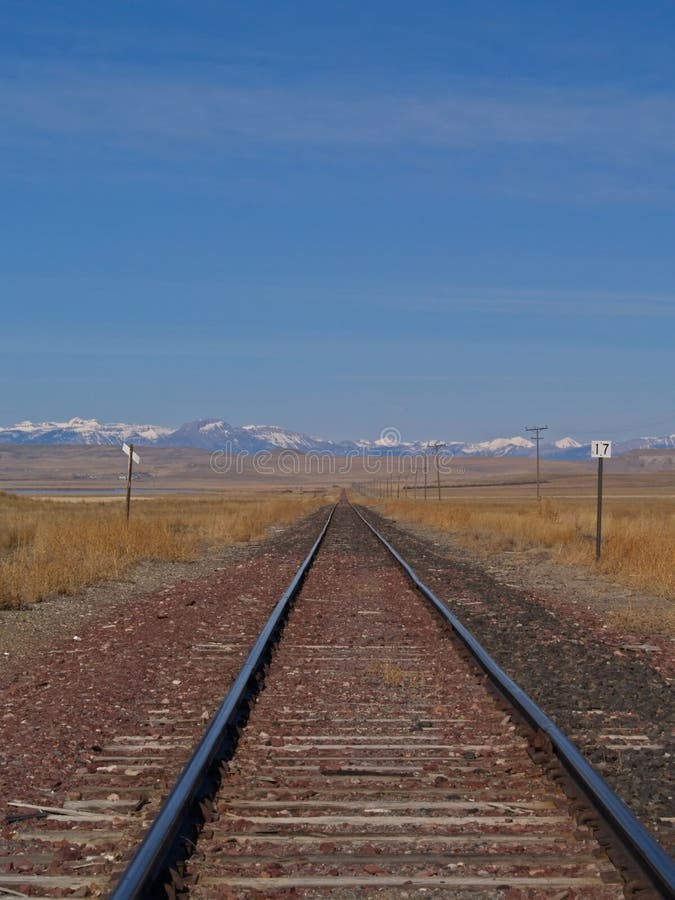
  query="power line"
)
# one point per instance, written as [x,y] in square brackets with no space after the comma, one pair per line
[436,447]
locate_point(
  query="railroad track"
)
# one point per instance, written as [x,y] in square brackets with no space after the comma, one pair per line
[387,755]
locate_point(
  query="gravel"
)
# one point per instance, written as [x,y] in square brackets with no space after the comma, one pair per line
[602,690]
[72,678]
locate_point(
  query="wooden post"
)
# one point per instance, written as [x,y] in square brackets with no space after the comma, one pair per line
[131,462]
[598,529]
[537,429]
[426,463]
[438,476]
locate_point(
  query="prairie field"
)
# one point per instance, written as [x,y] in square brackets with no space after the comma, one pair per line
[638,539]
[57,546]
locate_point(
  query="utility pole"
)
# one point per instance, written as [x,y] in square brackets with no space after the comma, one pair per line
[426,462]
[537,429]
[436,446]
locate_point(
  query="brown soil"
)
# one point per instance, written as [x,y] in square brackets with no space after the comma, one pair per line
[593,598]
[72,667]
[611,693]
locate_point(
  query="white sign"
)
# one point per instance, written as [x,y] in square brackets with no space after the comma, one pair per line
[601,449]
[127,449]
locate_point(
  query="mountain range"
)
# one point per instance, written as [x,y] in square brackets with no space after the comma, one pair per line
[217,434]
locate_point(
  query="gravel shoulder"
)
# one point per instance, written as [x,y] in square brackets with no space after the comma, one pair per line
[590,596]
[545,625]
[71,679]
[40,627]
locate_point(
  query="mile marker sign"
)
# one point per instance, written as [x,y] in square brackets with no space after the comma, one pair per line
[129,452]
[601,449]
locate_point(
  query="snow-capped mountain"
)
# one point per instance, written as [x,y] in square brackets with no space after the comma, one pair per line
[649,443]
[82,431]
[514,446]
[566,443]
[210,434]
[217,434]
[284,439]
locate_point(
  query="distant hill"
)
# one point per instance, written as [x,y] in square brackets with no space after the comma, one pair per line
[218,434]
[648,460]
[81,431]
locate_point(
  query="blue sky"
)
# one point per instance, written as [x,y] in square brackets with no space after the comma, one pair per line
[453,219]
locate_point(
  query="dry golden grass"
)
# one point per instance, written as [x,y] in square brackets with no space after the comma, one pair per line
[49,547]
[638,541]
[394,675]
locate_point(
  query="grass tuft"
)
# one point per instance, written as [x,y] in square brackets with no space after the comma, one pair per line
[394,675]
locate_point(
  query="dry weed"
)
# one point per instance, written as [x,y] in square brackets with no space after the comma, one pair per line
[643,619]
[638,540]
[393,674]
[49,547]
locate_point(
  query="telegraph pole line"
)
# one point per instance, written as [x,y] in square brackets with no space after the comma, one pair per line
[436,446]
[537,429]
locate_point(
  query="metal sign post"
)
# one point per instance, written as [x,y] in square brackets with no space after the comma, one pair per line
[600,450]
[133,458]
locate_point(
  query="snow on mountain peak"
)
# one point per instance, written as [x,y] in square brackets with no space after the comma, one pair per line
[81,431]
[499,446]
[213,434]
[77,422]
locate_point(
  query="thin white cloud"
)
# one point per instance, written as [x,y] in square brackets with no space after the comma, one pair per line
[578,302]
[541,301]
[143,113]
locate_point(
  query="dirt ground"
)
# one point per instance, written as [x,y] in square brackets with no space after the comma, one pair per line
[545,623]
[29,631]
[593,596]
[609,691]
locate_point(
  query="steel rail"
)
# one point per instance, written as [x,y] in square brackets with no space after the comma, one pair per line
[647,853]
[149,867]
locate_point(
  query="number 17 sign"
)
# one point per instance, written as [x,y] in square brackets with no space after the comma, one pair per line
[601,449]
